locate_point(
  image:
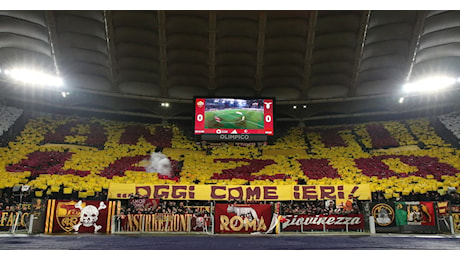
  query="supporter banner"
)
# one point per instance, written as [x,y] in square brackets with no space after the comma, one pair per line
[200,223]
[122,190]
[415,213]
[241,192]
[331,192]
[65,216]
[239,218]
[384,214]
[456,217]
[319,222]
[8,218]
[143,203]
[160,223]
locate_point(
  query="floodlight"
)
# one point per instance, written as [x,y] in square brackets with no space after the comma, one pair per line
[430,84]
[33,77]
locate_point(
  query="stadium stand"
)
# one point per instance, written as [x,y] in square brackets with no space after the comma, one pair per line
[8,115]
[71,155]
[452,122]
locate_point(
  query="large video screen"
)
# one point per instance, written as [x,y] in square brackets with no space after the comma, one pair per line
[234,116]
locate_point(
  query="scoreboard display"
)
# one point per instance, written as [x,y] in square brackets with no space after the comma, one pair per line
[234,116]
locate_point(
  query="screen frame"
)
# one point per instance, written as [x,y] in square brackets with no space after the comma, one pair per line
[227,131]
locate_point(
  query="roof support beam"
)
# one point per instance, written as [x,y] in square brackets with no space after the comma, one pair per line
[260,50]
[53,38]
[309,51]
[212,51]
[109,36]
[415,40]
[365,16]
[163,57]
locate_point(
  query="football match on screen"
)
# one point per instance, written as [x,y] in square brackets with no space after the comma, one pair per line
[234,113]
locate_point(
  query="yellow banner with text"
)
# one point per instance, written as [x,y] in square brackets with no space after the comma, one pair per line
[241,192]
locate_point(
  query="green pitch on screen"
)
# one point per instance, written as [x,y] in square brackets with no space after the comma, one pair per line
[235,119]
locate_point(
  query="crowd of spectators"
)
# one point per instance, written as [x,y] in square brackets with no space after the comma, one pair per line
[325,207]
[197,208]
[11,201]
[452,196]
[201,208]
[74,195]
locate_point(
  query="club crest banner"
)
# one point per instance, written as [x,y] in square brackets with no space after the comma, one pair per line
[384,214]
[69,216]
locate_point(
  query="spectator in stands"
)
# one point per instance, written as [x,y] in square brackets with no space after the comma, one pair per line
[453,197]
[180,163]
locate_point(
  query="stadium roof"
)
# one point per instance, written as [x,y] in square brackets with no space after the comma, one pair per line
[334,63]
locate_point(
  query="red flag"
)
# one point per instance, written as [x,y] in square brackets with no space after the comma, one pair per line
[427,213]
[217,118]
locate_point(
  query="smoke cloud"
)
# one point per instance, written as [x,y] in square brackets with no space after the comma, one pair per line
[159,163]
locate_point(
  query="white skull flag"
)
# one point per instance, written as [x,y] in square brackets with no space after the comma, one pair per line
[70,216]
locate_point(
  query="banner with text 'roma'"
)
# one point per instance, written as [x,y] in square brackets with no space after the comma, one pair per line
[240,192]
[242,218]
